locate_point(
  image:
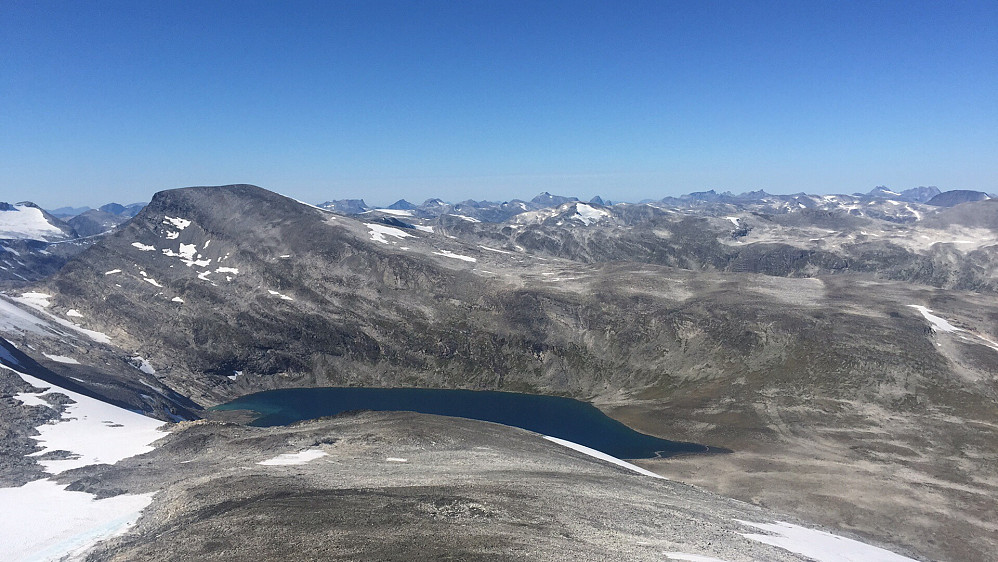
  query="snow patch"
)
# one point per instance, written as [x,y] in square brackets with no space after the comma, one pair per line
[187,254]
[734,220]
[177,299]
[72,312]
[113,271]
[233,270]
[819,545]
[586,214]
[143,247]
[277,294]
[379,231]
[938,323]
[449,254]
[396,459]
[234,375]
[37,300]
[177,223]
[143,365]
[294,458]
[465,217]
[424,228]
[172,235]
[603,456]
[152,282]
[62,359]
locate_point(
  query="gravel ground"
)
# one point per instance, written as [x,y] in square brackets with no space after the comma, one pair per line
[405,486]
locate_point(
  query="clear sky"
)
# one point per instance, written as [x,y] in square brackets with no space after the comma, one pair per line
[113,101]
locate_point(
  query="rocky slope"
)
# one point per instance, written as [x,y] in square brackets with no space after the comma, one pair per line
[723,327]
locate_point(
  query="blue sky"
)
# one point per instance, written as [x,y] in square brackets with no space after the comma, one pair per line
[113,101]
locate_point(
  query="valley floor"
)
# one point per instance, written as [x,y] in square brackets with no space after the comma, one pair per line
[917,484]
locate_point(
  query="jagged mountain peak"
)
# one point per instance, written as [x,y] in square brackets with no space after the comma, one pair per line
[401,205]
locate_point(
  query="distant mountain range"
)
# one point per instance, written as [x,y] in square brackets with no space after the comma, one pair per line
[27,231]
[842,346]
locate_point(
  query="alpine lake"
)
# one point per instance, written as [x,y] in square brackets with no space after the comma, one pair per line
[554,416]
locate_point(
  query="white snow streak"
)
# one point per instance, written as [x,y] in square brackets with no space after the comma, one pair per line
[603,456]
[449,254]
[294,458]
[37,300]
[62,359]
[819,545]
[143,247]
[396,212]
[23,321]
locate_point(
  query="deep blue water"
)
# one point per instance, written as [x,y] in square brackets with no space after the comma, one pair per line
[549,415]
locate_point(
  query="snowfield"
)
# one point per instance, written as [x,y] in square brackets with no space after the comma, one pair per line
[25,222]
[95,432]
[42,520]
[588,215]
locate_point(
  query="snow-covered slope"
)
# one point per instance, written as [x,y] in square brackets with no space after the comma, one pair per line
[43,520]
[27,221]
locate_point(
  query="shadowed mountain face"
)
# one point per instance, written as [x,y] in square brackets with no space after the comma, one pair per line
[654,315]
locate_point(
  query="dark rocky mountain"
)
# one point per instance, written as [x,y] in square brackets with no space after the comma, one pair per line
[402,205]
[784,328]
[68,212]
[545,199]
[920,194]
[26,261]
[347,206]
[957,196]
[95,221]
